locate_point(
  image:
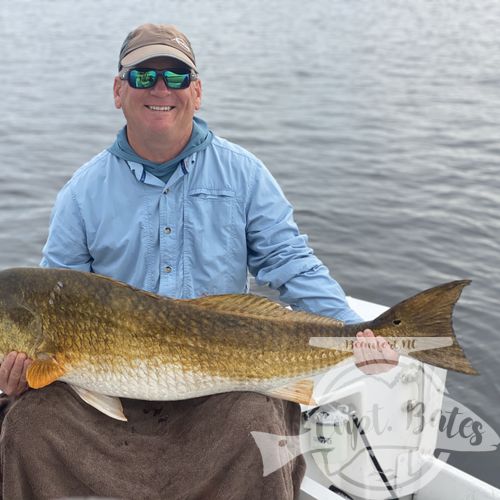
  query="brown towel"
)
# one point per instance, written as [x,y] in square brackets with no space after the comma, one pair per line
[54,445]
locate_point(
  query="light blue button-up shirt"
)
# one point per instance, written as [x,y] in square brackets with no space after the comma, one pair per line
[219,215]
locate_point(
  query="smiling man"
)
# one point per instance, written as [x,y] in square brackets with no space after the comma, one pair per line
[160,120]
[170,208]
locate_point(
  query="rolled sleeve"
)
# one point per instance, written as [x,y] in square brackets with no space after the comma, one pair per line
[316,291]
[66,245]
[276,249]
[279,255]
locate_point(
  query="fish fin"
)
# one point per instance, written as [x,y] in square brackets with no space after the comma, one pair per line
[298,392]
[428,314]
[109,405]
[43,372]
[255,305]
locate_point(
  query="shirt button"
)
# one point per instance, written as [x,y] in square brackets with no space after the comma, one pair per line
[166,190]
[168,269]
[167,230]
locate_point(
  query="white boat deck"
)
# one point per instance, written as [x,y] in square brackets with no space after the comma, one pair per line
[359,478]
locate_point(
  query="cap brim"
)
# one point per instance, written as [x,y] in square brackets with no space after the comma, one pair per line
[144,53]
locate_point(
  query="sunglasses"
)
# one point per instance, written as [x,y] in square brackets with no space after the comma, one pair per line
[145,78]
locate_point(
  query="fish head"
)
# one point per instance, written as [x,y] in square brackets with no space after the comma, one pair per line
[20,330]
[20,326]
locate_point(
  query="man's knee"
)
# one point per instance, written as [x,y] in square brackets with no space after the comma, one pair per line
[254,411]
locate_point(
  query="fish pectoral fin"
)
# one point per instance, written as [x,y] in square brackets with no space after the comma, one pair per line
[109,405]
[298,392]
[43,372]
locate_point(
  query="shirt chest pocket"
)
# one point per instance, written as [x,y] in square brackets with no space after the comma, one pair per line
[211,212]
[215,244]
[214,195]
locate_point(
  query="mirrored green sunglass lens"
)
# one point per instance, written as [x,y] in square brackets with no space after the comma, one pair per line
[142,79]
[177,81]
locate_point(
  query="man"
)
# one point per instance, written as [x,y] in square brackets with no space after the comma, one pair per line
[170,208]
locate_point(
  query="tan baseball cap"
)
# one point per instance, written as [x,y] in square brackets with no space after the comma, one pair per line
[156,40]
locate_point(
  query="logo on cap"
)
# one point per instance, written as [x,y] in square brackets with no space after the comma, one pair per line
[182,43]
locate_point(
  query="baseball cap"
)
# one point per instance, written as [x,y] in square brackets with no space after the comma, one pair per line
[156,40]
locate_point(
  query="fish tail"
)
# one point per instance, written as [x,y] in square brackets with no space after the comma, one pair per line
[428,314]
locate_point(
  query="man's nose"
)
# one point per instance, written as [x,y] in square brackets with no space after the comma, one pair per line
[160,86]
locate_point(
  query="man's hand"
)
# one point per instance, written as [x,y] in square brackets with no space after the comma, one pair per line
[372,354]
[13,373]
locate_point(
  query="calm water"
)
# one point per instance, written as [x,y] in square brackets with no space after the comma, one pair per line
[380,119]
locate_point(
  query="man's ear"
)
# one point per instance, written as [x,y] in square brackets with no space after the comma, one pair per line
[197,102]
[117,85]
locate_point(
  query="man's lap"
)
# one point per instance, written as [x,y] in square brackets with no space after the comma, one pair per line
[198,448]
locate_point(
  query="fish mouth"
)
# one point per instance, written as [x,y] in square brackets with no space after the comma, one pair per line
[160,108]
